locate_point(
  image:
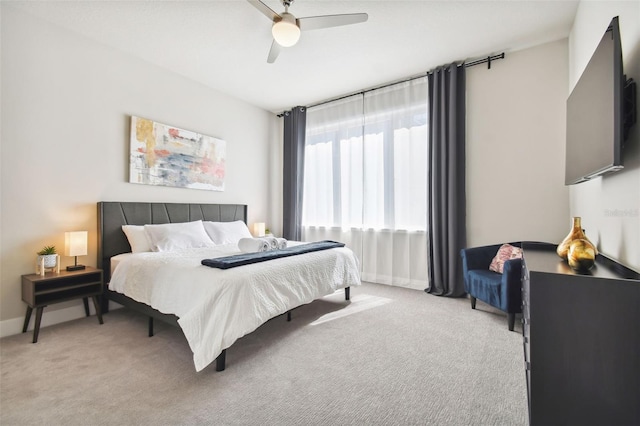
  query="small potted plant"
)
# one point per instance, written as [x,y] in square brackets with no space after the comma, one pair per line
[50,256]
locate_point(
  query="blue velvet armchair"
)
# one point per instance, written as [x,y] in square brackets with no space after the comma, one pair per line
[502,291]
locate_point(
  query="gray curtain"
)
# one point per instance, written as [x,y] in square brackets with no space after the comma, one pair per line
[447,228]
[293,172]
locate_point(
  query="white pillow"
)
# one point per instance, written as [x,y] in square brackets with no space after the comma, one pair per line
[137,238]
[227,232]
[178,236]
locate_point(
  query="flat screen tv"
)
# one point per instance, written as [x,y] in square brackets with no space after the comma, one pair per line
[595,113]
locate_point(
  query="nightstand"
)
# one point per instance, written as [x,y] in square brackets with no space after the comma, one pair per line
[39,291]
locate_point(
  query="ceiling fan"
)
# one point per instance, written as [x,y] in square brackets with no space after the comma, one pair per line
[286,27]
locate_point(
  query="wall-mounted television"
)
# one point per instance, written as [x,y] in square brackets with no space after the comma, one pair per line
[598,113]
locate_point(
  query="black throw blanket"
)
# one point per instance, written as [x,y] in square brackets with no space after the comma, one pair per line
[249,258]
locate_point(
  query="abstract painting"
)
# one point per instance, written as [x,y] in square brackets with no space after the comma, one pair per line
[169,156]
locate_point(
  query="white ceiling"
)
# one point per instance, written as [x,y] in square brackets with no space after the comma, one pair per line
[224,44]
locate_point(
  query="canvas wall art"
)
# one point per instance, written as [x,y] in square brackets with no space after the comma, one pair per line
[169,156]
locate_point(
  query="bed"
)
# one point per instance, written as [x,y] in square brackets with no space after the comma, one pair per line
[223,305]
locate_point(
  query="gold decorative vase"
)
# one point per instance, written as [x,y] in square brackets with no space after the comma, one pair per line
[581,255]
[576,234]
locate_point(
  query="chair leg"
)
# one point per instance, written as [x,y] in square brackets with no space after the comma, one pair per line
[473,302]
[512,321]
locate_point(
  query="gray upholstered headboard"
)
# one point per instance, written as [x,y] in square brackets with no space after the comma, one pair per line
[113,214]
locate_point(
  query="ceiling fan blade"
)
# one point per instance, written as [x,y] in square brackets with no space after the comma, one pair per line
[266,10]
[273,52]
[327,21]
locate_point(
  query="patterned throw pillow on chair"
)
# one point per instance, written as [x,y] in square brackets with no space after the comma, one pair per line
[505,252]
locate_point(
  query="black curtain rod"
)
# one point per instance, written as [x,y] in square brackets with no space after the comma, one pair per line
[473,63]
[486,60]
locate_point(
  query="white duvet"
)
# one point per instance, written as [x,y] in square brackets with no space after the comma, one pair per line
[216,307]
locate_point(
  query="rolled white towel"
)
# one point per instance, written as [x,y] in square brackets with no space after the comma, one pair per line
[282,243]
[252,245]
[272,241]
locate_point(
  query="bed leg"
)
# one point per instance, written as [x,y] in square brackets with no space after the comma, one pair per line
[150,326]
[220,361]
[347,293]
[288,315]
[104,302]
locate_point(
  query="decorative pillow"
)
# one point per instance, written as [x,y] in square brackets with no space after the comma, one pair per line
[227,232]
[137,238]
[177,236]
[505,252]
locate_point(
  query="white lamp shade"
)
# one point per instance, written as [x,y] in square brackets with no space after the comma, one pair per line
[75,243]
[258,229]
[285,32]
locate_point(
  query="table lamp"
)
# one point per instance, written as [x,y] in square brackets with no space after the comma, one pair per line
[75,244]
[258,229]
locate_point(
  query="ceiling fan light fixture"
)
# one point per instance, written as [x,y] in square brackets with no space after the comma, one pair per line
[286,32]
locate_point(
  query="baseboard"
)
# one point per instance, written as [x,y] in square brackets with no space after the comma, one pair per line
[49,317]
[396,282]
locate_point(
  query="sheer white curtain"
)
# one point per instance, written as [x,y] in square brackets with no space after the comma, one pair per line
[365,180]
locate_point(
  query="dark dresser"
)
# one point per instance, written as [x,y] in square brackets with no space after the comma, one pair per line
[581,341]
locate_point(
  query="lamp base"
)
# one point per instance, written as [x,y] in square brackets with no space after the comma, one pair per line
[75,267]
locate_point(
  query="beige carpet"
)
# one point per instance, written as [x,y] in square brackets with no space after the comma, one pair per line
[392,356]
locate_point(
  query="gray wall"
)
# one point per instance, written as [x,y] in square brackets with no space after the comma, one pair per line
[515,147]
[66,107]
[610,205]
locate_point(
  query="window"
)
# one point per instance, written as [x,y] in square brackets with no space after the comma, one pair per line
[366,160]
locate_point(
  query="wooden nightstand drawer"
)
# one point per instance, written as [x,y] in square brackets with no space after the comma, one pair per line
[54,288]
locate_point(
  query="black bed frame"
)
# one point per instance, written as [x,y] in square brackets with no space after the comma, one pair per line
[112,241]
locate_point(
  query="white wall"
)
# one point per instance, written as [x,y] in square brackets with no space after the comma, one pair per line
[515,147]
[610,205]
[66,107]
